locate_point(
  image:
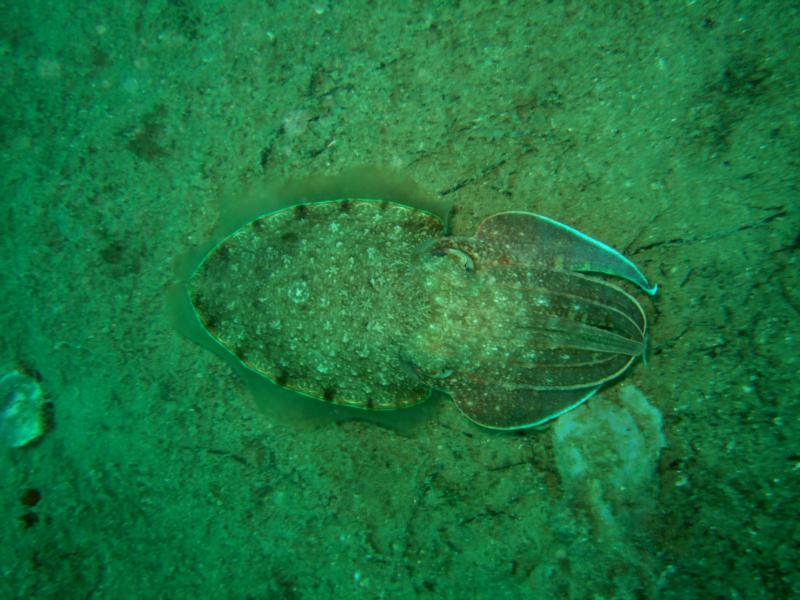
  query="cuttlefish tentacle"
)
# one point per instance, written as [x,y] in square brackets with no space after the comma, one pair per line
[529,238]
[504,409]
[524,336]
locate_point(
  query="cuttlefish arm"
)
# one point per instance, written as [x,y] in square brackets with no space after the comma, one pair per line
[519,408]
[528,238]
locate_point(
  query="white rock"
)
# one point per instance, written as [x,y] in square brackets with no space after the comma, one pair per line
[21,409]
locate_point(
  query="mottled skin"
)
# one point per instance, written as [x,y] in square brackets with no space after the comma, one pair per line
[315,298]
[365,303]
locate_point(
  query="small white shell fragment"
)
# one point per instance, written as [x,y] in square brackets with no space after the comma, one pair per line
[21,409]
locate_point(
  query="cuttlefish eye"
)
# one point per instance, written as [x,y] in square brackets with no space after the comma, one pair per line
[444,247]
[457,255]
[462,258]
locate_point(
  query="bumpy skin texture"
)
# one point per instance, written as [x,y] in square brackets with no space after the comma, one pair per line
[317,298]
[364,303]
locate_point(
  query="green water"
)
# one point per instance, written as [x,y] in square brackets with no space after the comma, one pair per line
[132,132]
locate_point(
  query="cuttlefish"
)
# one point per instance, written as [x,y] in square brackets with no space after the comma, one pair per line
[369,304]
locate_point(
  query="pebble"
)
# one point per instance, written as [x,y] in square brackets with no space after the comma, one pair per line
[21,409]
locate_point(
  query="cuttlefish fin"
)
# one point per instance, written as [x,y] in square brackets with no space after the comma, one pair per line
[537,240]
[496,407]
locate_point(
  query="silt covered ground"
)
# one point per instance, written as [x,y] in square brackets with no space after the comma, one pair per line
[130,131]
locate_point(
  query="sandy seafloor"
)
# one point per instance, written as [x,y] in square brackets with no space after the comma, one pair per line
[670,130]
